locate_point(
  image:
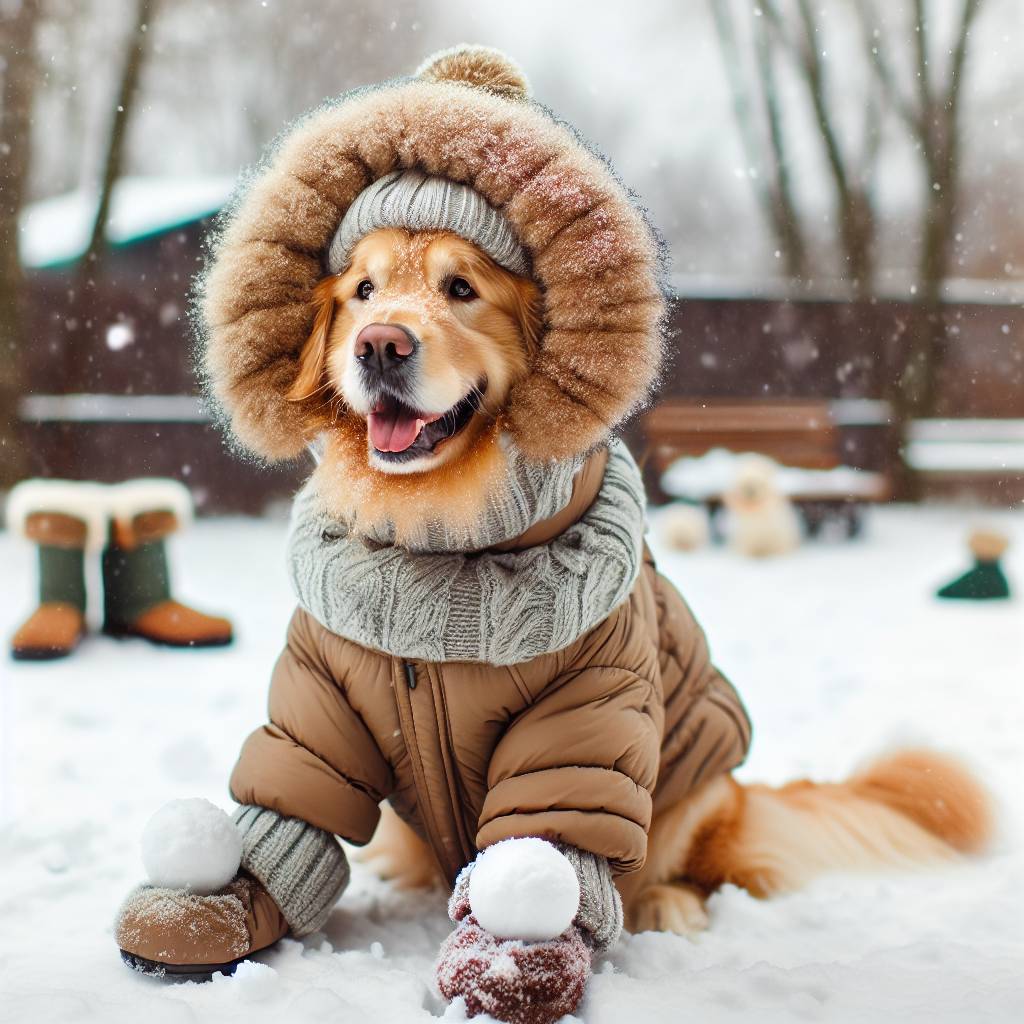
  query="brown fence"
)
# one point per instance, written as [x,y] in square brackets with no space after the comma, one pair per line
[125,342]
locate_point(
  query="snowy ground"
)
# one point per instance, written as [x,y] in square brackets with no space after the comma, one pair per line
[839,652]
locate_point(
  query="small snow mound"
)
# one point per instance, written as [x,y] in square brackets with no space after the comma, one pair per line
[256,982]
[191,844]
[524,889]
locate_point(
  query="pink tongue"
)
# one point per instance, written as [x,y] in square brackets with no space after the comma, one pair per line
[393,431]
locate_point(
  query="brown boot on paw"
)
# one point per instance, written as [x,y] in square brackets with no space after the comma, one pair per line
[172,932]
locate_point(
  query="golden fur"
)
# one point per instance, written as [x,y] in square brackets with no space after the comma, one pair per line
[913,807]
[592,254]
[596,357]
[488,338]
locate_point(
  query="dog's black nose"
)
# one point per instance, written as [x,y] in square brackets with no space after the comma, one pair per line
[383,348]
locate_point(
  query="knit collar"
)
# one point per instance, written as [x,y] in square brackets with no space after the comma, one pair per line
[528,495]
[498,602]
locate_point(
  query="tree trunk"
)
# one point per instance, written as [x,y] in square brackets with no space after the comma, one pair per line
[773,188]
[136,56]
[20,74]
[939,137]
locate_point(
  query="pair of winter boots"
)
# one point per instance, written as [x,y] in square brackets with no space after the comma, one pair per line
[128,524]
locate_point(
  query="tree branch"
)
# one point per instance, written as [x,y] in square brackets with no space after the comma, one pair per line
[866,15]
[118,132]
[784,211]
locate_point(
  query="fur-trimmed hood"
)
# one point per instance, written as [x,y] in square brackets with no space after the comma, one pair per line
[465,116]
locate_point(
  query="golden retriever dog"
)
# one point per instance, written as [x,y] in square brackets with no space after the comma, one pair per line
[766,840]
[461,330]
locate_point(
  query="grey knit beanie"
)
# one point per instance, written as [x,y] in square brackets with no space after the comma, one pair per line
[421,202]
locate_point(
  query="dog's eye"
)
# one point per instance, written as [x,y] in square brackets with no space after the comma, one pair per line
[365,289]
[460,288]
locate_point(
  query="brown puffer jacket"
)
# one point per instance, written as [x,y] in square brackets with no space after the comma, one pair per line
[580,746]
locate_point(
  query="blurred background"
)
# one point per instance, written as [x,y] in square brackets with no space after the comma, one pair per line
[839,183]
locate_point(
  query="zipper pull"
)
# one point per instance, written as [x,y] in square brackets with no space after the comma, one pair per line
[410,674]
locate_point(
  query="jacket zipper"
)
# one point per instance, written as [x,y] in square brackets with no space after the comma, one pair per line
[410,674]
[441,849]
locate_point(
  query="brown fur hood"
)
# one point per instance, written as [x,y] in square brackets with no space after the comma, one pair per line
[465,116]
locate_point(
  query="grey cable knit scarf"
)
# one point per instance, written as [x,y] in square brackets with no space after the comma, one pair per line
[449,600]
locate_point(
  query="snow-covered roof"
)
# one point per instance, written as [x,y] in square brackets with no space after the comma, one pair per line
[56,230]
[894,287]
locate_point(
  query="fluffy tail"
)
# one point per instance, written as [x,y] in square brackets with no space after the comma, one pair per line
[913,807]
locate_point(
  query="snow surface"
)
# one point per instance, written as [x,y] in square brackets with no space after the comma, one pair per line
[839,650]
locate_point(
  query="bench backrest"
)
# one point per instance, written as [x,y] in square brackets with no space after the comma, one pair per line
[793,432]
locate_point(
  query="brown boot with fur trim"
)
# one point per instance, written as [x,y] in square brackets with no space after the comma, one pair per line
[53,630]
[174,932]
[63,518]
[136,581]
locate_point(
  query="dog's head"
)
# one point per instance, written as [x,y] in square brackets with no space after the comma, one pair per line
[417,345]
[755,485]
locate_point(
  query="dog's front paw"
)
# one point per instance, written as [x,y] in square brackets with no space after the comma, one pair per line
[667,908]
[514,981]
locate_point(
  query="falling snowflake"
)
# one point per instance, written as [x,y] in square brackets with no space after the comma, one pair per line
[119,336]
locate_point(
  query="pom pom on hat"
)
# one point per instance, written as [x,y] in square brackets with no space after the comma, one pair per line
[481,67]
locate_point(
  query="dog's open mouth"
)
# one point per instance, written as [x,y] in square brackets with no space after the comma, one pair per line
[399,433]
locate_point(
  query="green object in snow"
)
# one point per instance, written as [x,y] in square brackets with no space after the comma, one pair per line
[985,582]
[134,580]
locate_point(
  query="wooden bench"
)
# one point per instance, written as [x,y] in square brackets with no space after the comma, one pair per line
[968,459]
[793,433]
[802,435]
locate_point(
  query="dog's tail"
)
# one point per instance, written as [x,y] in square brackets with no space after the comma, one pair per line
[912,807]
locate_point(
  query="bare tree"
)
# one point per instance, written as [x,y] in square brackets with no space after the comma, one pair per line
[931,114]
[801,37]
[928,111]
[20,76]
[772,184]
[138,45]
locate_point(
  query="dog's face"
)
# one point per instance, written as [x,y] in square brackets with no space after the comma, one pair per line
[420,340]
[755,486]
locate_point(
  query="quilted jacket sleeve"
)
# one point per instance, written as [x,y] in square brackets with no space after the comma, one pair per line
[579,763]
[315,760]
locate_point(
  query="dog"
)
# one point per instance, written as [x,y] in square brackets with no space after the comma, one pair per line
[459,330]
[440,288]
[762,520]
[415,348]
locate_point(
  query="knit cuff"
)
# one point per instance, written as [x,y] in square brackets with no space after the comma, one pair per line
[600,912]
[302,867]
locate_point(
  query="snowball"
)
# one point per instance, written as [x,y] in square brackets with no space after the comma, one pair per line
[523,889]
[191,844]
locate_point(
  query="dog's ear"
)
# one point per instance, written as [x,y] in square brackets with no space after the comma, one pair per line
[314,353]
[526,308]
